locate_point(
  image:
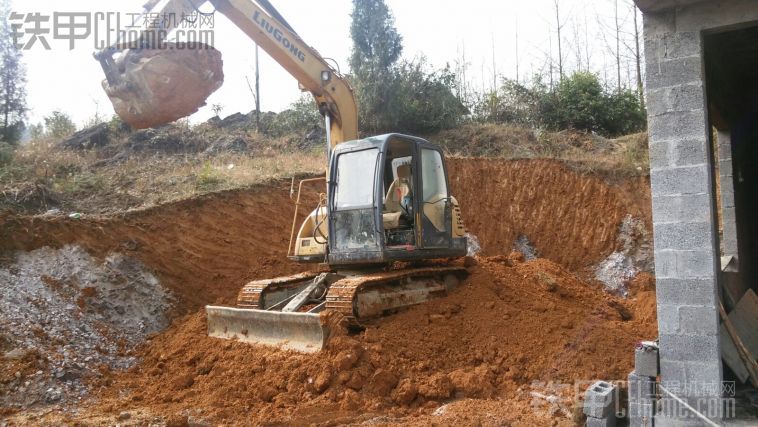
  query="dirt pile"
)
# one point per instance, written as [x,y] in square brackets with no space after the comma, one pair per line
[64,315]
[510,328]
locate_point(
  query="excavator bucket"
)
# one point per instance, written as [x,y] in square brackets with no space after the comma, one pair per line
[152,87]
[303,332]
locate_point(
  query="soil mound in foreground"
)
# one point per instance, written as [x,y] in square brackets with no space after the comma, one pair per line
[511,328]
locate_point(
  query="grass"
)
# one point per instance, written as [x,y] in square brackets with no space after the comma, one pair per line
[181,162]
[40,175]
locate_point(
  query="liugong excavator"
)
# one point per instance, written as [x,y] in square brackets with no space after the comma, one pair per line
[386,208]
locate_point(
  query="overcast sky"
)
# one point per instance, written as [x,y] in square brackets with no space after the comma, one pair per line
[70,79]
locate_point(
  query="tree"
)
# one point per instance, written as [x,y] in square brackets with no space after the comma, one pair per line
[59,125]
[377,46]
[12,81]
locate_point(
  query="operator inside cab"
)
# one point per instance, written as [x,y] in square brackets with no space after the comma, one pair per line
[398,206]
[398,217]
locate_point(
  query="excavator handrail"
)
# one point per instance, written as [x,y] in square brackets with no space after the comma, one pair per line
[297,208]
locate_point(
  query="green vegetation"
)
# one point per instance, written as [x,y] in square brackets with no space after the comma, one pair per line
[6,154]
[578,102]
[208,178]
[301,117]
[59,125]
[396,95]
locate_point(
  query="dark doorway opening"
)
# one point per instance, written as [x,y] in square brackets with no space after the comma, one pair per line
[731,62]
[731,65]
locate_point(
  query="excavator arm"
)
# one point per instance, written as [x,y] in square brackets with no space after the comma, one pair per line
[263,24]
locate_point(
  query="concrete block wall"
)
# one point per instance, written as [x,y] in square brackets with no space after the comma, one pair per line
[683,206]
[726,181]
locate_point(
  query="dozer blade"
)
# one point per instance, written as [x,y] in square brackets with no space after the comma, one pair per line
[303,332]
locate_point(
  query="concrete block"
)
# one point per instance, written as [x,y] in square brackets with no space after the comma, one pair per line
[727,197]
[678,264]
[641,414]
[685,291]
[659,23]
[672,72]
[640,388]
[660,154]
[673,372]
[700,320]
[609,421]
[729,242]
[696,263]
[689,348]
[680,180]
[686,97]
[600,400]
[724,144]
[676,125]
[681,208]
[726,171]
[683,235]
[682,44]
[705,378]
[688,152]
[645,360]
[668,318]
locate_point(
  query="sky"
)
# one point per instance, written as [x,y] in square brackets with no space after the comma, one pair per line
[492,35]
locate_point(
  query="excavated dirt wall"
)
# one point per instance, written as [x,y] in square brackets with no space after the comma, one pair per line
[571,218]
[205,248]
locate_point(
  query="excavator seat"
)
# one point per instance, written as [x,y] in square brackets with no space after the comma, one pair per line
[395,214]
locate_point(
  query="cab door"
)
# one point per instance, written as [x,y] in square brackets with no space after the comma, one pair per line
[434,208]
[353,234]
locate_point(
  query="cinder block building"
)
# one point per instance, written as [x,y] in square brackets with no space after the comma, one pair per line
[702,98]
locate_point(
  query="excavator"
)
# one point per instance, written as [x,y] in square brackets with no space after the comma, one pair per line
[386,229]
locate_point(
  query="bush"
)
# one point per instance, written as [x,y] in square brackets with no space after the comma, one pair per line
[578,102]
[422,101]
[512,103]
[6,154]
[300,118]
[59,125]
[208,178]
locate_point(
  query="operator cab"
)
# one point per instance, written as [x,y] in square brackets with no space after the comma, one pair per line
[389,200]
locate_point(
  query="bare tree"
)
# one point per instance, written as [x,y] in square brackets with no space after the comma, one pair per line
[517,58]
[256,92]
[618,43]
[638,57]
[494,65]
[558,26]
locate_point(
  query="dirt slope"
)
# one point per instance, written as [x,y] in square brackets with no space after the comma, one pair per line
[203,249]
[511,327]
[571,218]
